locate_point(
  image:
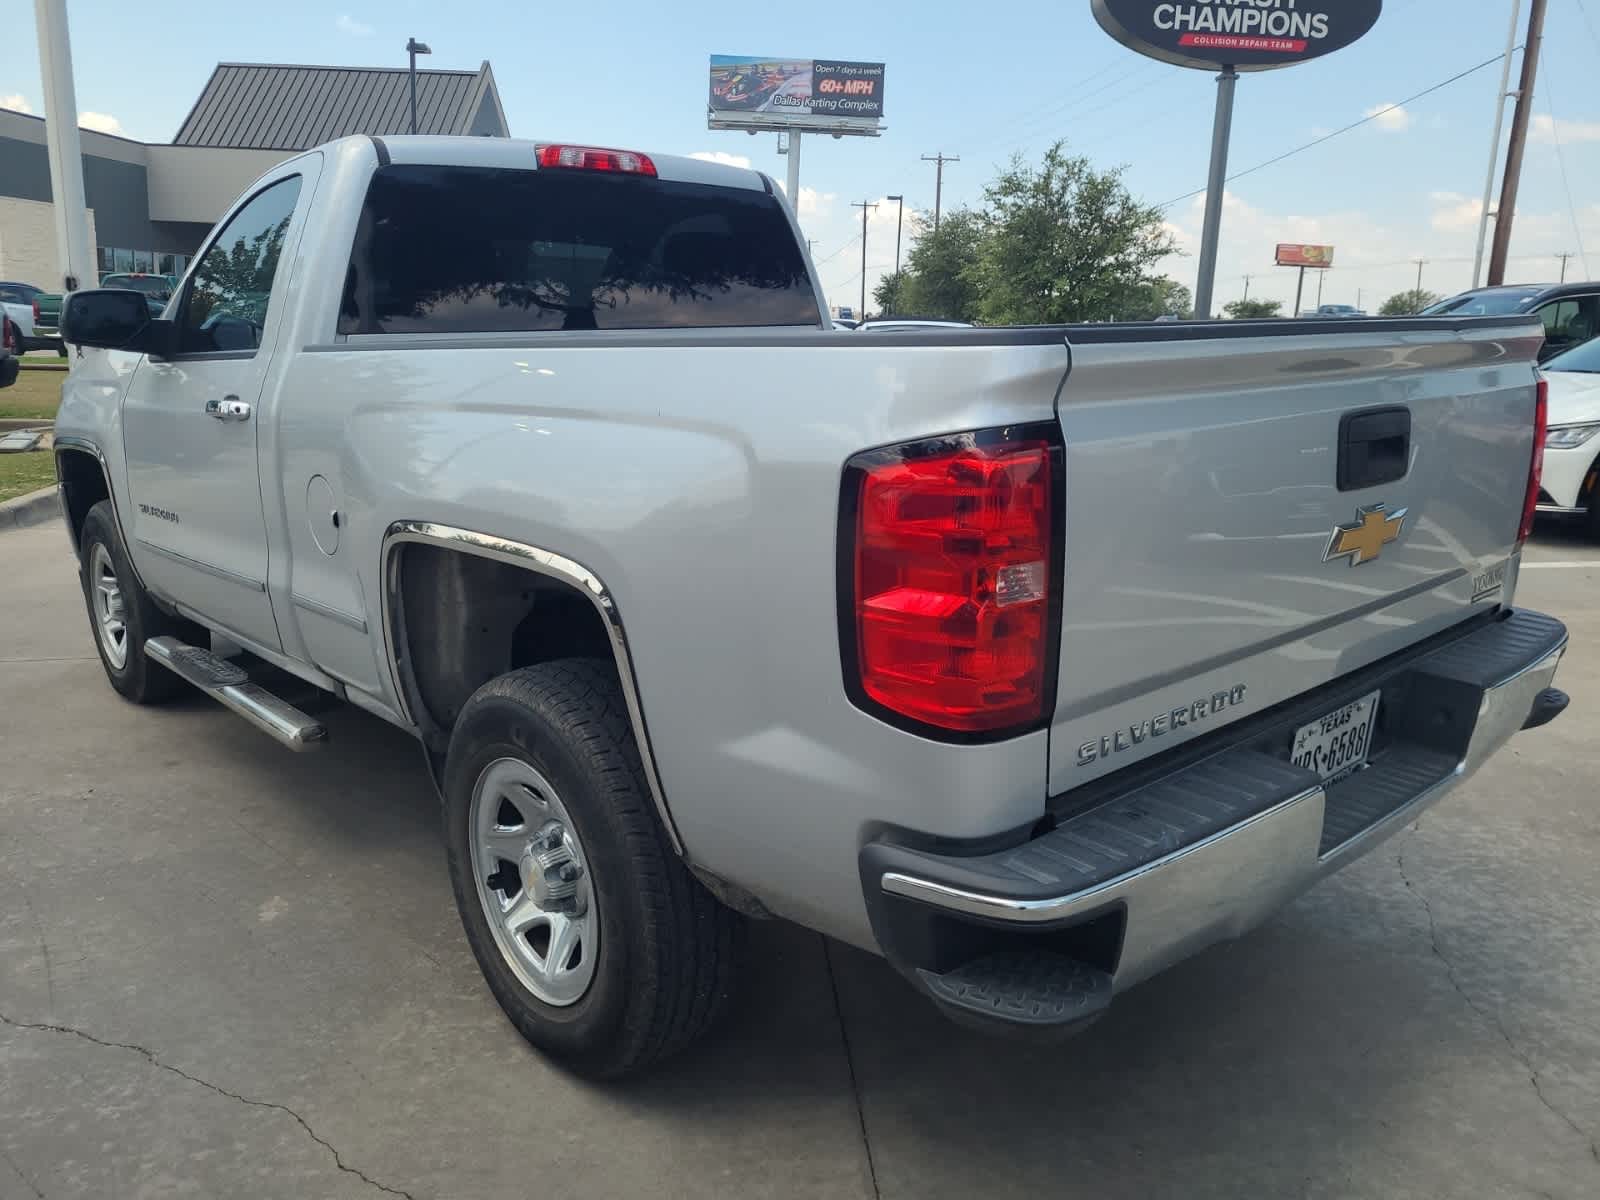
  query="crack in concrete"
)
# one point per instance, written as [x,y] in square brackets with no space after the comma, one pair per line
[150,1057]
[17,1170]
[850,1066]
[1490,1018]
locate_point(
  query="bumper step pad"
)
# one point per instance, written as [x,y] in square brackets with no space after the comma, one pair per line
[1029,989]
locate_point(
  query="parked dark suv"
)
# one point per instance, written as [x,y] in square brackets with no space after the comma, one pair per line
[1571,311]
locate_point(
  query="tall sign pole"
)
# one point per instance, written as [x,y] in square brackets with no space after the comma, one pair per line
[1234,37]
[794,171]
[61,140]
[1211,230]
[1501,249]
[1494,143]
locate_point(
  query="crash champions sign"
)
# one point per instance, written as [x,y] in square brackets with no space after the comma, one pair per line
[1248,35]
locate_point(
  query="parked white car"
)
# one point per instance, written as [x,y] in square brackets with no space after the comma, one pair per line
[1572,452]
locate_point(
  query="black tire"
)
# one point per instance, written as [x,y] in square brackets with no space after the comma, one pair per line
[137,678]
[670,950]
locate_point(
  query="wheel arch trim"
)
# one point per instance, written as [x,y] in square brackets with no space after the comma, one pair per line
[531,558]
[73,444]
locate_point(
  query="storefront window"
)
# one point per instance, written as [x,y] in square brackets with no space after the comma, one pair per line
[121,260]
[104,255]
[144,261]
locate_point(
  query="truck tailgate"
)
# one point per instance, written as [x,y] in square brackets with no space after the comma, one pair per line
[1214,566]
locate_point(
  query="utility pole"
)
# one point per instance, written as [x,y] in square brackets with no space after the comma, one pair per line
[1321,275]
[1494,142]
[1563,258]
[414,48]
[1247,280]
[938,180]
[865,206]
[1358,299]
[1421,262]
[1519,140]
[899,220]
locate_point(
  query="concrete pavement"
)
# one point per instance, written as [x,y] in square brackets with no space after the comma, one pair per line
[226,970]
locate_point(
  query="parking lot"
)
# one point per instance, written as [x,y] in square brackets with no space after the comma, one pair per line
[226,970]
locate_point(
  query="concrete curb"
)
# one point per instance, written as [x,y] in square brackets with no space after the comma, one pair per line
[33,509]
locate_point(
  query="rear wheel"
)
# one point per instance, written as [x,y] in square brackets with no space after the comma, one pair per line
[121,613]
[601,947]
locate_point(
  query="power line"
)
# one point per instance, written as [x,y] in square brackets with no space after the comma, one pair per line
[1593,36]
[1337,132]
[1561,161]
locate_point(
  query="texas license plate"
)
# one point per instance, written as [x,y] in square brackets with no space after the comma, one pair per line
[1336,745]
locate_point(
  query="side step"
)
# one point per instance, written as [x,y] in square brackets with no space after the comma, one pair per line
[230,686]
[1021,991]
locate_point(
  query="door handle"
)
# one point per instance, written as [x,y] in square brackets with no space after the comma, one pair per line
[229,408]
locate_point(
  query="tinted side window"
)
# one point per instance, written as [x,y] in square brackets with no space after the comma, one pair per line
[226,307]
[471,249]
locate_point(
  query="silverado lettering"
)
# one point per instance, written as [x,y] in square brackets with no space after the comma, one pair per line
[1160,725]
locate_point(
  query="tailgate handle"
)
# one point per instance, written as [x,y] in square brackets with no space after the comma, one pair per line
[1374,447]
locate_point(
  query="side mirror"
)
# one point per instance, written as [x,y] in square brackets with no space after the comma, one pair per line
[114,319]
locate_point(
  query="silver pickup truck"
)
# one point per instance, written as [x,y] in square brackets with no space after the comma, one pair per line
[1032,659]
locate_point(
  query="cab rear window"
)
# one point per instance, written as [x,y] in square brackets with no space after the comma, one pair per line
[491,250]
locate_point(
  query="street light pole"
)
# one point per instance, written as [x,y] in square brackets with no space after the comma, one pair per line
[414,48]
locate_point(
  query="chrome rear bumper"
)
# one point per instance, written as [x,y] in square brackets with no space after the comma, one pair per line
[1214,848]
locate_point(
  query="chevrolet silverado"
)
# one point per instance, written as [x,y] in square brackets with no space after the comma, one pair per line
[1033,659]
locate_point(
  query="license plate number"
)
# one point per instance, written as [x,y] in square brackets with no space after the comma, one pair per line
[1336,745]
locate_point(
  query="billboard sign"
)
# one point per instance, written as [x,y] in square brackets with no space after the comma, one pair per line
[1295,254]
[781,91]
[1248,35]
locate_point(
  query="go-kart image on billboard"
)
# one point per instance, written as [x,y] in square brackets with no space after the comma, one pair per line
[795,86]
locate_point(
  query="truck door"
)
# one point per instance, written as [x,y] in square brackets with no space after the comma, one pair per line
[190,425]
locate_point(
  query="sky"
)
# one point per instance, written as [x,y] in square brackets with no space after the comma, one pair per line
[980,82]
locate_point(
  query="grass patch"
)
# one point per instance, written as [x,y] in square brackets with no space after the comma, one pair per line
[35,394]
[24,473]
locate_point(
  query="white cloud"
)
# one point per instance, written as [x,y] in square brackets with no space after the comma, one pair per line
[99,122]
[812,202]
[1391,118]
[348,24]
[1545,128]
[16,102]
[1454,213]
[723,157]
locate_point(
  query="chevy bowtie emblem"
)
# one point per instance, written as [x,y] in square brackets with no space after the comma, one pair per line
[1374,528]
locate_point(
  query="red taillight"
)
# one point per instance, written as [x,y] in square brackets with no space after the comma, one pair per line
[5,334]
[594,158]
[35,312]
[1541,422]
[952,574]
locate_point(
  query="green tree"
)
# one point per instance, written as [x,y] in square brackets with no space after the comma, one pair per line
[940,269]
[889,293]
[1404,304]
[1160,298]
[1245,310]
[1065,242]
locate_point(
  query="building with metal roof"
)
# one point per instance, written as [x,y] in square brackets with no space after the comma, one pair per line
[151,203]
[263,106]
